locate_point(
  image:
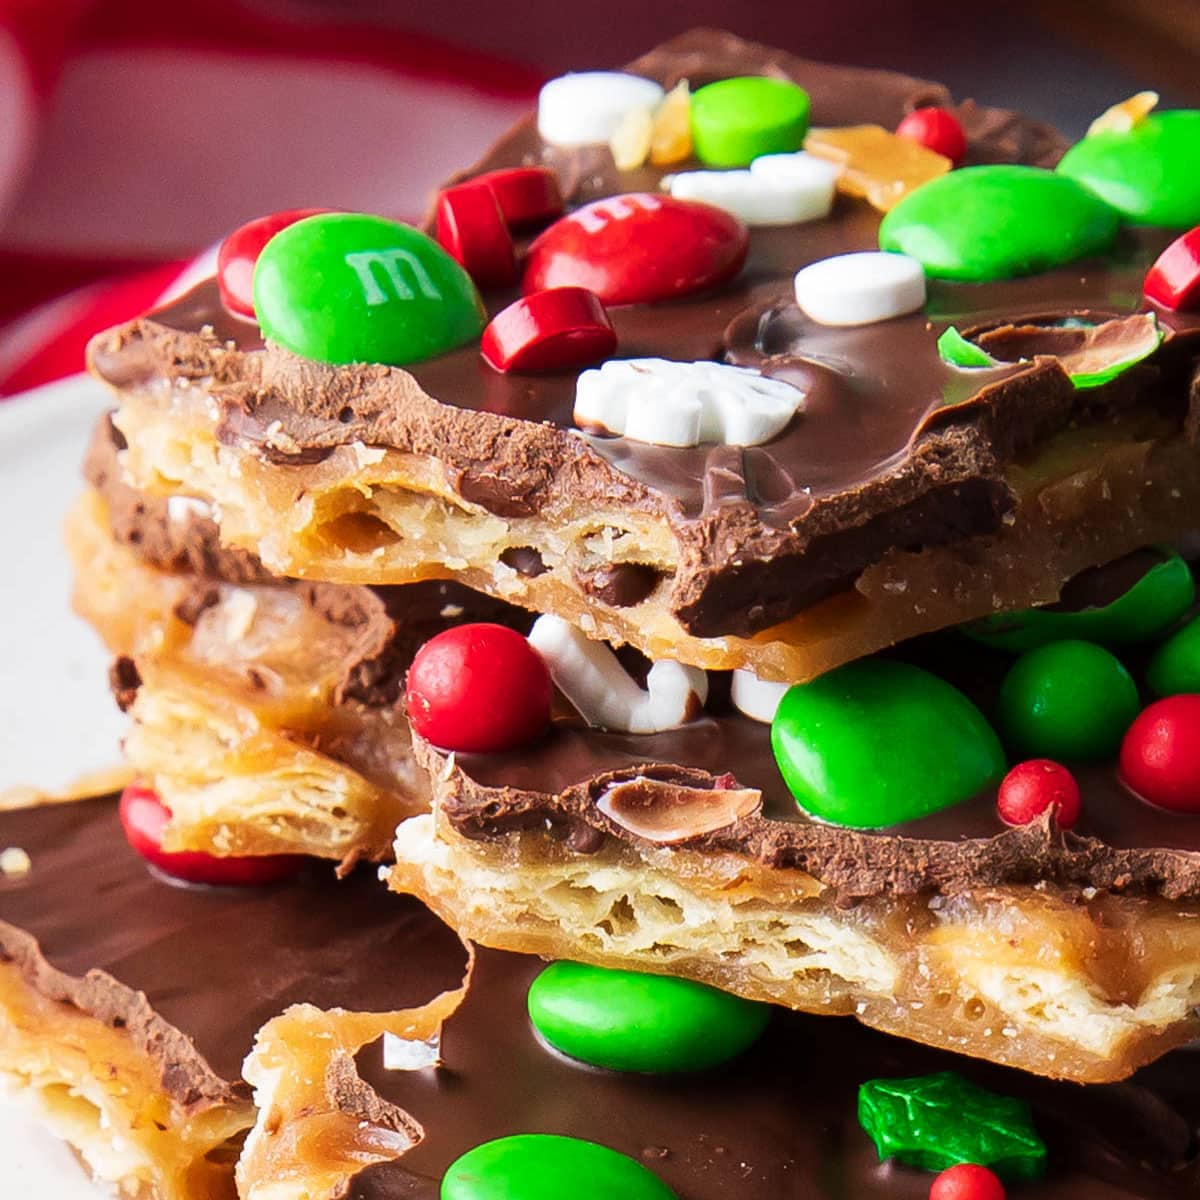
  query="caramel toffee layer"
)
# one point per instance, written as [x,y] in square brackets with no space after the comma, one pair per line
[386,625]
[895,447]
[779,1122]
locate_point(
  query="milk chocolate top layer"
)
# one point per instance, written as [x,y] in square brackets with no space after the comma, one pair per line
[894,448]
[779,1122]
[1120,842]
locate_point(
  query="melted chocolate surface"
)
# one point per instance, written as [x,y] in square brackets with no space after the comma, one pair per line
[777,1123]
[894,446]
[217,962]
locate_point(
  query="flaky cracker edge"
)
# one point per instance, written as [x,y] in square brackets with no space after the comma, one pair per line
[319,1123]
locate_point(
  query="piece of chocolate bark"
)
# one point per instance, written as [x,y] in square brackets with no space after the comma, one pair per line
[779,1120]
[263,710]
[909,494]
[1067,951]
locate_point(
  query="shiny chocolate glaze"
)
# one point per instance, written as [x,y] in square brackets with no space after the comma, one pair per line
[778,1123]
[894,446]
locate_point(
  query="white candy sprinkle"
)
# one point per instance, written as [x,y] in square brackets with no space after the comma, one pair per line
[14,861]
[590,675]
[778,189]
[859,289]
[404,1054]
[587,107]
[683,404]
[757,698]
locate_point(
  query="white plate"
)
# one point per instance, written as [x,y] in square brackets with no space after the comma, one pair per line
[59,721]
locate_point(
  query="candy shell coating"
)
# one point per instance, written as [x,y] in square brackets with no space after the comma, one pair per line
[585,107]
[998,222]
[1068,701]
[1175,665]
[348,287]
[1150,173]
[631,1021]
[638,248]
[734,121]
[1160,754]
[1146,611]
[829,734]
[544,1166]
[860,288]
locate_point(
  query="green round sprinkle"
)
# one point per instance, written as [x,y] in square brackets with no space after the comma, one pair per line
[736,120]
[1067,701]
[998,222]
[1150,173]
[954,349]
[544,1166]
[1146,611]
[831,735]
[933,1122]
[629,1021]
[346,287]
[1175,667]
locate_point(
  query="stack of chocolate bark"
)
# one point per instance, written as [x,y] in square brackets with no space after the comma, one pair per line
[810,568]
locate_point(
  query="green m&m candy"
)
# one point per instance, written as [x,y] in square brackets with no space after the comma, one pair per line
[1067,701]
[346,287]
[1150,173]
[630,1021]
[1147,609]
[736,120]
[878,742]
[998,222]
[544,1166]
[1175,667]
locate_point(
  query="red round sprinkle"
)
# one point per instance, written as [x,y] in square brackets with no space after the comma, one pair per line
[240,250]
[526,195]
[638,248]
[478,687]
[938,130]
[1174,280]
[549,331]
[1035,785]
[1160,756]
[967,1181]
[472,230]
[144,817]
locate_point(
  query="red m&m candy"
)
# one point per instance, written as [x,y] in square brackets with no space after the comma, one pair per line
[480,688]
[638,248]
[1160,756]
[1174,280]
[967,1181]
[144,817]
[472,230]
[1035,785]
[240,250]
[526,195]
[938,130]
[549,331]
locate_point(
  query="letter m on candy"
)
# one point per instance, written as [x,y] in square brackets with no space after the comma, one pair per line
[400,269]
